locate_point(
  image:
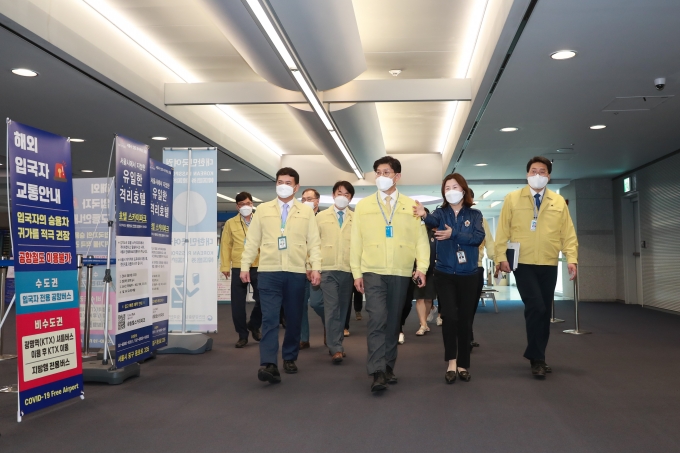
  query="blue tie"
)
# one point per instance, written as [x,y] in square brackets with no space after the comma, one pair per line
[284,213]
[538,201]
[340,216]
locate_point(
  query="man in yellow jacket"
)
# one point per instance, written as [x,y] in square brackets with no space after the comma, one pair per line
[231,247]
[538,219]
[386,240]
[335,229]
[285,232]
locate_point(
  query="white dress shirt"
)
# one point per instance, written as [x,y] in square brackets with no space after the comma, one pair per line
[393,201]
[540,192]
[340,210]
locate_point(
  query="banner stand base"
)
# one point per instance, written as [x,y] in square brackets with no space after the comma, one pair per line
[12,388]
[187,343]
[7,357]
[100,356]
[96,372]
[89,357]
[556,320]
[576,332]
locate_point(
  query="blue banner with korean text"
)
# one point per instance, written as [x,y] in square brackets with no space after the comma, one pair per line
[161,248]
[46,276]
[133,252]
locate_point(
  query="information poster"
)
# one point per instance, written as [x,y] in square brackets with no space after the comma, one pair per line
[161,249]
[133,252]
[45,267]
[94,204]
[201,287]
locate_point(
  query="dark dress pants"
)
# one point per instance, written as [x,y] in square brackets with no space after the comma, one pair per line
[536,286]
[408,303]
[480,288]
[358,303]
[287,290]
[457,298]
[239,292]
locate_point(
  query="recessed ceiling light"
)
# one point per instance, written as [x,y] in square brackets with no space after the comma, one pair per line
[225,169]
[563,55]
[598,126]
[495,203]
[481,164]
[23,72]
[395,72]
[257,199]
[87,171]
[486,194]
[224,197]
[159,138]
[77,140]
[510,129]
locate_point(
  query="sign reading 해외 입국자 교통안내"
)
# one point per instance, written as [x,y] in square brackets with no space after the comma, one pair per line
[133,253]
[46,275]
[161,247]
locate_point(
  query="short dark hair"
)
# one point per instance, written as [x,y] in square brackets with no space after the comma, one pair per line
[541,160]
[242,196]
[346,184]
[287,171]
[394,164]
[316,192]
[467,196]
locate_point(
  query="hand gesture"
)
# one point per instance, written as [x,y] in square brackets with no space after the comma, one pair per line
[359,285]
[419,210]
[442,235]
[245,276]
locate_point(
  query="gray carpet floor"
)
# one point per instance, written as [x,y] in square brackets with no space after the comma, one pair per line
[613,391]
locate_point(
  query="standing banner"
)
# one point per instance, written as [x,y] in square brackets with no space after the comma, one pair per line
[93,202]
[161,248]
[201,287]
[133,252]
[45,266]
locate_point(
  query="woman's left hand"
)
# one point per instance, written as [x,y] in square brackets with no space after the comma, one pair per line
[442,235]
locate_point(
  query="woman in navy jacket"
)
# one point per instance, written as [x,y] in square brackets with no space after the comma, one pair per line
[460,231]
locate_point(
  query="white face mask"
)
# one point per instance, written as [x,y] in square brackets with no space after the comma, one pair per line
[453,196]
[538,181]
[341,202]
[384,183]
[284,191]
[310,204]
[245,210]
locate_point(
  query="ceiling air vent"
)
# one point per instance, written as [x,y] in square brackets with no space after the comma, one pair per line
[635,103]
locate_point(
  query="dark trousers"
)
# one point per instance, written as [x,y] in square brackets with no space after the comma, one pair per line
[337,298]
[287,290]
[536,285]
[239,291]
[385,296]
[480,288]
[408,303]
[457,298]
[358,304]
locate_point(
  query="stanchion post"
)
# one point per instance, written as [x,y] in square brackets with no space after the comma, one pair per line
[107,286]
[3,285]
[553,319]
[88,309]
[576,330]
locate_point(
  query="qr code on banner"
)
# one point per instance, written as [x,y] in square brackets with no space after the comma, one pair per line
[121,322]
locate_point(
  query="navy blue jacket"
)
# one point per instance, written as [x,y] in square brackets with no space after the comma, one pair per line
[467,234]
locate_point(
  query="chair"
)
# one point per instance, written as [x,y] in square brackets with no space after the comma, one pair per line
[489,294]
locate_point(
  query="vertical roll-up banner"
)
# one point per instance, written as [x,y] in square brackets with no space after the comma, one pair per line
[93,202]
[161,248]
[133,319]
[201,291]
[45,265]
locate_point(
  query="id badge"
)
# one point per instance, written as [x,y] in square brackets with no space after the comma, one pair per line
[283,244]
[462,259]
[389,232]
[533,225]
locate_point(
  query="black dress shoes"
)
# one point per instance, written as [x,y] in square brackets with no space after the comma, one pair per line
[289,367]
[464,376]
[269,373]
[547,368]
[537,369]
[389,375]
[241,343]
[474,344]
[257,335]
[450,377]
[379,381]
[304,345]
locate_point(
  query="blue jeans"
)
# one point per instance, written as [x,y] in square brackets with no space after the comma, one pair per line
[278,289]
[314,295]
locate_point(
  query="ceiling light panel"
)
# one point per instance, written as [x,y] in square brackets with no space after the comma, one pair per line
[510,129]
[271,32]
[598,126]
[495,203]
[563,55]
[224,197]
[486,194]
[23,72]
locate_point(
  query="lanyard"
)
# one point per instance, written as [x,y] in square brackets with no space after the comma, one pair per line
[242,227]
[377,197]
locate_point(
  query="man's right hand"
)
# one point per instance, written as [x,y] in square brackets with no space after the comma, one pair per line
[226,274]
[359,284]
[245,276]
[505,266]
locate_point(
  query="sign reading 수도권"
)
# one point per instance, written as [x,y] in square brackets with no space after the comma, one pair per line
[46,275]
[133,319]
[201,284]
[161,248]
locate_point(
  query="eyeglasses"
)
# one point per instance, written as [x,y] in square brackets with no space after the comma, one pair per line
[308,199]
[386,173]
[541,171]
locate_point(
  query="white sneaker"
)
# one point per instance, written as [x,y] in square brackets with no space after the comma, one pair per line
[402,338]
[422,331]
[439,321]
